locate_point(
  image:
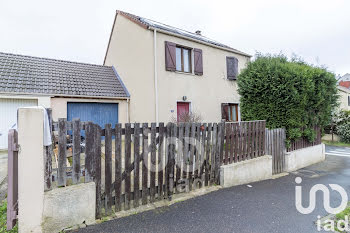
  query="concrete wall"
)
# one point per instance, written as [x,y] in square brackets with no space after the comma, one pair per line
[59,106]
[54,210]
[131,51]
[328,137]
[305,157]
[30,170]
[247,171]
[69,206]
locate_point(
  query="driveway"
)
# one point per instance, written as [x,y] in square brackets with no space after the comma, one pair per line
[267,206]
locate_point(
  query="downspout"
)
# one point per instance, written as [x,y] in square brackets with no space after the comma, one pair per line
[155,73]
[128,110]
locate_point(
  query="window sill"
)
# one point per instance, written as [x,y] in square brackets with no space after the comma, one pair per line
[187,73]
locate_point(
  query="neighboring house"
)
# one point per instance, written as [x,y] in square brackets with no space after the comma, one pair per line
[344,99]
[169,71]
[73,90]
[345,84]
[345,77]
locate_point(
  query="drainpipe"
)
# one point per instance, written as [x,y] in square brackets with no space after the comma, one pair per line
[155,73]
[128,110]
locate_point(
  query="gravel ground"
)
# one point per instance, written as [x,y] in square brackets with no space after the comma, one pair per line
[3,175]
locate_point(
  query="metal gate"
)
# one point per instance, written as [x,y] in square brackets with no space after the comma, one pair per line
[275,146]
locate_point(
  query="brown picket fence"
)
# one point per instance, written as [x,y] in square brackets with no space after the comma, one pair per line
[139,164]
[304,142]
[244,140]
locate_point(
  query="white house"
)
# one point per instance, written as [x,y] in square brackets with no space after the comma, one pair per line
[169,71]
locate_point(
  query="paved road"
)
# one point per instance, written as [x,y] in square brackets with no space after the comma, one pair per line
[338,151]
[267,206]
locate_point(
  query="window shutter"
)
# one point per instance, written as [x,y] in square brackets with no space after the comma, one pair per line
[232,68]
[348,100]
[198,62]
[170,56]
[224,112]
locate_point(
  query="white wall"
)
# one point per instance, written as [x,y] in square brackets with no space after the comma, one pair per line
[30,169]
[343,98]
[8,109]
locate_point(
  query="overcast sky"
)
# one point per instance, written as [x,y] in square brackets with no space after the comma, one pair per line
[78,30]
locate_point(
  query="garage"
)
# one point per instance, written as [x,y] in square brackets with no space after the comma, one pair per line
[8,116]
[71,89]
[99,113]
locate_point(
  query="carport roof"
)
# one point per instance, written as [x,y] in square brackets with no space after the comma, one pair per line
[34,75]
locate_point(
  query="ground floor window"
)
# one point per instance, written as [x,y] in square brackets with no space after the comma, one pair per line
[229,111]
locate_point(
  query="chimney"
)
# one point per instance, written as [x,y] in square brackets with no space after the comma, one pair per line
[198,32]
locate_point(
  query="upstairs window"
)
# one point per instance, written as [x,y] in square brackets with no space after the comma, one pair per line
[183,59]
[179,58]
[232,68]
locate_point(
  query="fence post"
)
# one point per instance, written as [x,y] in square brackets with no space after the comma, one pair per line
[12,193]
[219,155]
[48,156]
[31,171]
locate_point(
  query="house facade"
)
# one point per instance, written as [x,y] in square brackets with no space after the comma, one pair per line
[169,71]
[73,90]
[344,98]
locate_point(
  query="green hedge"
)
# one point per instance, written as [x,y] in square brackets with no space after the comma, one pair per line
[287,93]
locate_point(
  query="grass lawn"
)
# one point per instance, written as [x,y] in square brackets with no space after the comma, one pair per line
[3,209]
[330,143]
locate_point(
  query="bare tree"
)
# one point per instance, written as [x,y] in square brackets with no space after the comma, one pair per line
[187,117]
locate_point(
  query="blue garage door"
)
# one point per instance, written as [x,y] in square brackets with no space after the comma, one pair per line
[98,113]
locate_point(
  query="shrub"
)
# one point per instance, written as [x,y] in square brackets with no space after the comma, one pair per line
[287,94]
[188,117]
[344,132]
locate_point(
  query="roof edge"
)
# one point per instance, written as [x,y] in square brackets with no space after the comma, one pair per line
[110,37]
[200,42]
[63,95]
[344,89]
[149,27]
[121,82]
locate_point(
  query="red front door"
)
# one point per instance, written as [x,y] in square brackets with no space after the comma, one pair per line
[182,109]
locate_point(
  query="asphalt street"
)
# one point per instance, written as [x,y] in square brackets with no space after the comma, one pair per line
[267,206]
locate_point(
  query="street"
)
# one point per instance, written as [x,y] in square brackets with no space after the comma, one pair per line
[267,206]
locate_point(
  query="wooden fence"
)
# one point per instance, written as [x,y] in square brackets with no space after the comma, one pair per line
[244,140]
[139,164]
[150,163]
[275,146]
[12,190]
[304,142]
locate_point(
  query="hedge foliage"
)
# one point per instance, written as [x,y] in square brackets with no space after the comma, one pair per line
[287,93]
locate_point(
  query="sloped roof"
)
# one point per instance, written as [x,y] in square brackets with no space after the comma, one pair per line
[34,75]
[344,89]
[345,84]
[148,23]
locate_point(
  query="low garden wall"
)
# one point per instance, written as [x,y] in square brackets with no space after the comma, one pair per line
[301,158]
[69,206]
[247,171]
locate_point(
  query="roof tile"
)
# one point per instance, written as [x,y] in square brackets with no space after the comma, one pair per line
[26,74]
